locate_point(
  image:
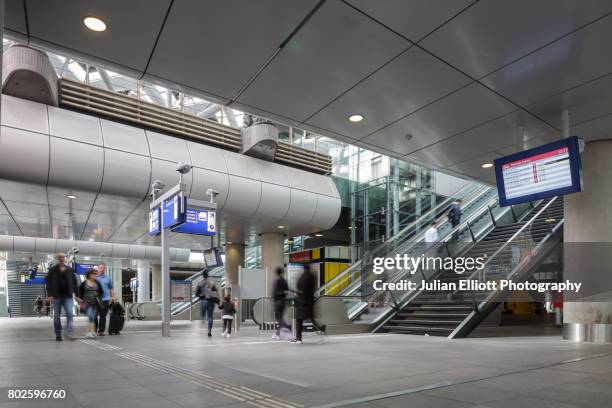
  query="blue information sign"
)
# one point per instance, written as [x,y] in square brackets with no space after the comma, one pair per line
[199,222]
[155,221]
[82,268]
[173,213]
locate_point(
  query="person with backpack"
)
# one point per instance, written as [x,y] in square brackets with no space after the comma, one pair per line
[228,310]
[61,286]
[209,297]
[90,292]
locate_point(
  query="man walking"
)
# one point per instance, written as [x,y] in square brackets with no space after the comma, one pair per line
[454,216]
[61,285]
[108,294]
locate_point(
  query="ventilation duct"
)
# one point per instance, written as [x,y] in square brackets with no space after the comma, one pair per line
[50,246]
[27,73]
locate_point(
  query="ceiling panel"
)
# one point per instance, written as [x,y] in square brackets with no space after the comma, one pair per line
[585,103]
[493,33]
[458,112]
[596,129]
[26,209]
[411,18]
[411,81]
[473,168]
[132,27]
[576,59]
[489,137]
[14,16]
[335,49]
[223,43]
[83,202]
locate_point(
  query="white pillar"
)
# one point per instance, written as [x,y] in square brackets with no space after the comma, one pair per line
[587,249]
[144,287]
[156,282]
[272,254]
[113,268]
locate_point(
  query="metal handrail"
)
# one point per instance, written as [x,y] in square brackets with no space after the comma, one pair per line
[471,197]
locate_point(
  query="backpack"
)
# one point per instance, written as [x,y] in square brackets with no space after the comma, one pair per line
[208,291]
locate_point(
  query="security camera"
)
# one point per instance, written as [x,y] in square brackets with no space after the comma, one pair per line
[183,168]
[212,192]
[75,250]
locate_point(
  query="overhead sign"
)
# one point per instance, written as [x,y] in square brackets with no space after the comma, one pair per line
[546,171]
[212,258]
[82,268]
[173,211]
[199,222]
[134,284]
[155,221]
[181,290]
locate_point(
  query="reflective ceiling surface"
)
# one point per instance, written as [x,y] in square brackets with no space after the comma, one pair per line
[446,83]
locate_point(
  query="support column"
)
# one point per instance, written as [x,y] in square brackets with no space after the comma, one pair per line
[272,254]
[114,269]
[156,283]
[234,258]
[142,267]
[587,253]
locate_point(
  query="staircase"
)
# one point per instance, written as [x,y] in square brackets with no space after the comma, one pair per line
[22,296]
[439,313]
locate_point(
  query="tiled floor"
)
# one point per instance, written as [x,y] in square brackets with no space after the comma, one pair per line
[142,369]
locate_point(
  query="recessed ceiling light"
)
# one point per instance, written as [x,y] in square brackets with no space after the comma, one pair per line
[281,226]
[318,234]
[487,165]
[408,136]
[355,118]
[94,23]
[71,196]
[228,243]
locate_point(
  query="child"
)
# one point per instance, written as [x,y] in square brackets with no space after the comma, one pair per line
[228,310]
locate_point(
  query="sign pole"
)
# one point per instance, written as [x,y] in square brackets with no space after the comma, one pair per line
[165,272]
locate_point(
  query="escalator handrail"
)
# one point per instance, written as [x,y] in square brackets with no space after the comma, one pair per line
[512,238]
[471,197]
[476,214]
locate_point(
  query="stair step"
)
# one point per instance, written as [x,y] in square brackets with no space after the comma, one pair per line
[419,329]
[434,315]
[452,323]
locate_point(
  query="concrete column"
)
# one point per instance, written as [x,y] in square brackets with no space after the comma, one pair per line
[272,254]
[1,31]
[156,283]
[144,287]
[234,258]
[113,268]
[587,253]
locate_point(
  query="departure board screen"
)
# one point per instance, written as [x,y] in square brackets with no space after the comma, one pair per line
[545,171]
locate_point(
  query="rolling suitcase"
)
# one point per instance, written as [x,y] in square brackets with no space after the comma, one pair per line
[116,320]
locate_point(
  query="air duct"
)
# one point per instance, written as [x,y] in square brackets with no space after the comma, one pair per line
[50,245]
[27,73]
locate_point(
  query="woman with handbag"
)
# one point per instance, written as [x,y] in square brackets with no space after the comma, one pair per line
[90,293]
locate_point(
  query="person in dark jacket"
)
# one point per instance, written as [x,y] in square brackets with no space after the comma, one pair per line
[279,292]
[228,311]
[304,301]
[209,297]
[61,286]
[91,292]
[454,215]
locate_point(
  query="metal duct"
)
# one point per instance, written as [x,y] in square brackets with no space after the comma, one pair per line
[27,73]
[45,145]
[49,246]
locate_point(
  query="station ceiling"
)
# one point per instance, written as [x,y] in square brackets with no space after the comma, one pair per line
[447,83]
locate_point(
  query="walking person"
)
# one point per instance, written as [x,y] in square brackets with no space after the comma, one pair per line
[228,311]
[108,296]
[209,297]
[61,286]
[90,293]
[280,289]
[304,301]
[431,235]
[454,216]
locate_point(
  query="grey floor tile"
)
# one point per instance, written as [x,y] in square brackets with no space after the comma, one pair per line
[421,401]
[202,399]
[469,392]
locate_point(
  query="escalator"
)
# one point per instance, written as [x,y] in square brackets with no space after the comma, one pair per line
[411,239]
[514,250]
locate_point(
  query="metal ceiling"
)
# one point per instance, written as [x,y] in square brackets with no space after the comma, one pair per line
[445,82]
